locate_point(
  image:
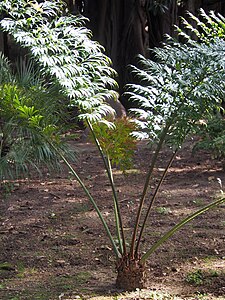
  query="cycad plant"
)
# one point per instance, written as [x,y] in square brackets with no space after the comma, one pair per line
[183,84]
[212,129]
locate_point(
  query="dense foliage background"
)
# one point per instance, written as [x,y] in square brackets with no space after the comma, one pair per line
[128,27]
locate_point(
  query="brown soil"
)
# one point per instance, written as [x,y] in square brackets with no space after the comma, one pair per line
[52,245]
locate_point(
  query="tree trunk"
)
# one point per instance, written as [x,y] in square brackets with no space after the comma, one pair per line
[120,26]
[4,40]
[131,274]
[1,42]
[160,24]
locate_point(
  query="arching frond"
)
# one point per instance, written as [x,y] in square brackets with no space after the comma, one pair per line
[184,82]
[63,48]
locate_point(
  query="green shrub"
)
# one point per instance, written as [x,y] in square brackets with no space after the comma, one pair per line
[117,142]
[29,114]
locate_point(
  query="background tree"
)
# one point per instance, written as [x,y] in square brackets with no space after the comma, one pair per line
[129,27]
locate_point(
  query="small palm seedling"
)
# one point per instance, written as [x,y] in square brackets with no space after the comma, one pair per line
[202,277]
[195,278]
[183,83]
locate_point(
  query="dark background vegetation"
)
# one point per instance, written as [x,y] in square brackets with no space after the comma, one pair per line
[130,27]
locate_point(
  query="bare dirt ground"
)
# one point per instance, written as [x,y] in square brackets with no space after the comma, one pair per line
[52,245]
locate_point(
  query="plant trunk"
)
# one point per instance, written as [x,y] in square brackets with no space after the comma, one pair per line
[131,274]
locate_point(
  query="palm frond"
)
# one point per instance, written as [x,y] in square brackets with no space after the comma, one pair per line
[5,70]
[27,74]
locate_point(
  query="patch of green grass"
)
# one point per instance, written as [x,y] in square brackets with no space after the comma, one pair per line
[27,272]
[200,277]
[68,236]
[5,266]
[82,277]
[199,202]
[23,271]
[163,210]
[195,277]
[213,273]
[200,295]
[128,171]
[39,290]
[209,259]
[81,207]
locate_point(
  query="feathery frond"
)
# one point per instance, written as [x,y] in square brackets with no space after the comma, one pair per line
[182,84]
[63,48]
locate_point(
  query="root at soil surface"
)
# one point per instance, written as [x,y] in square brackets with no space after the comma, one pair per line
[131,274]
